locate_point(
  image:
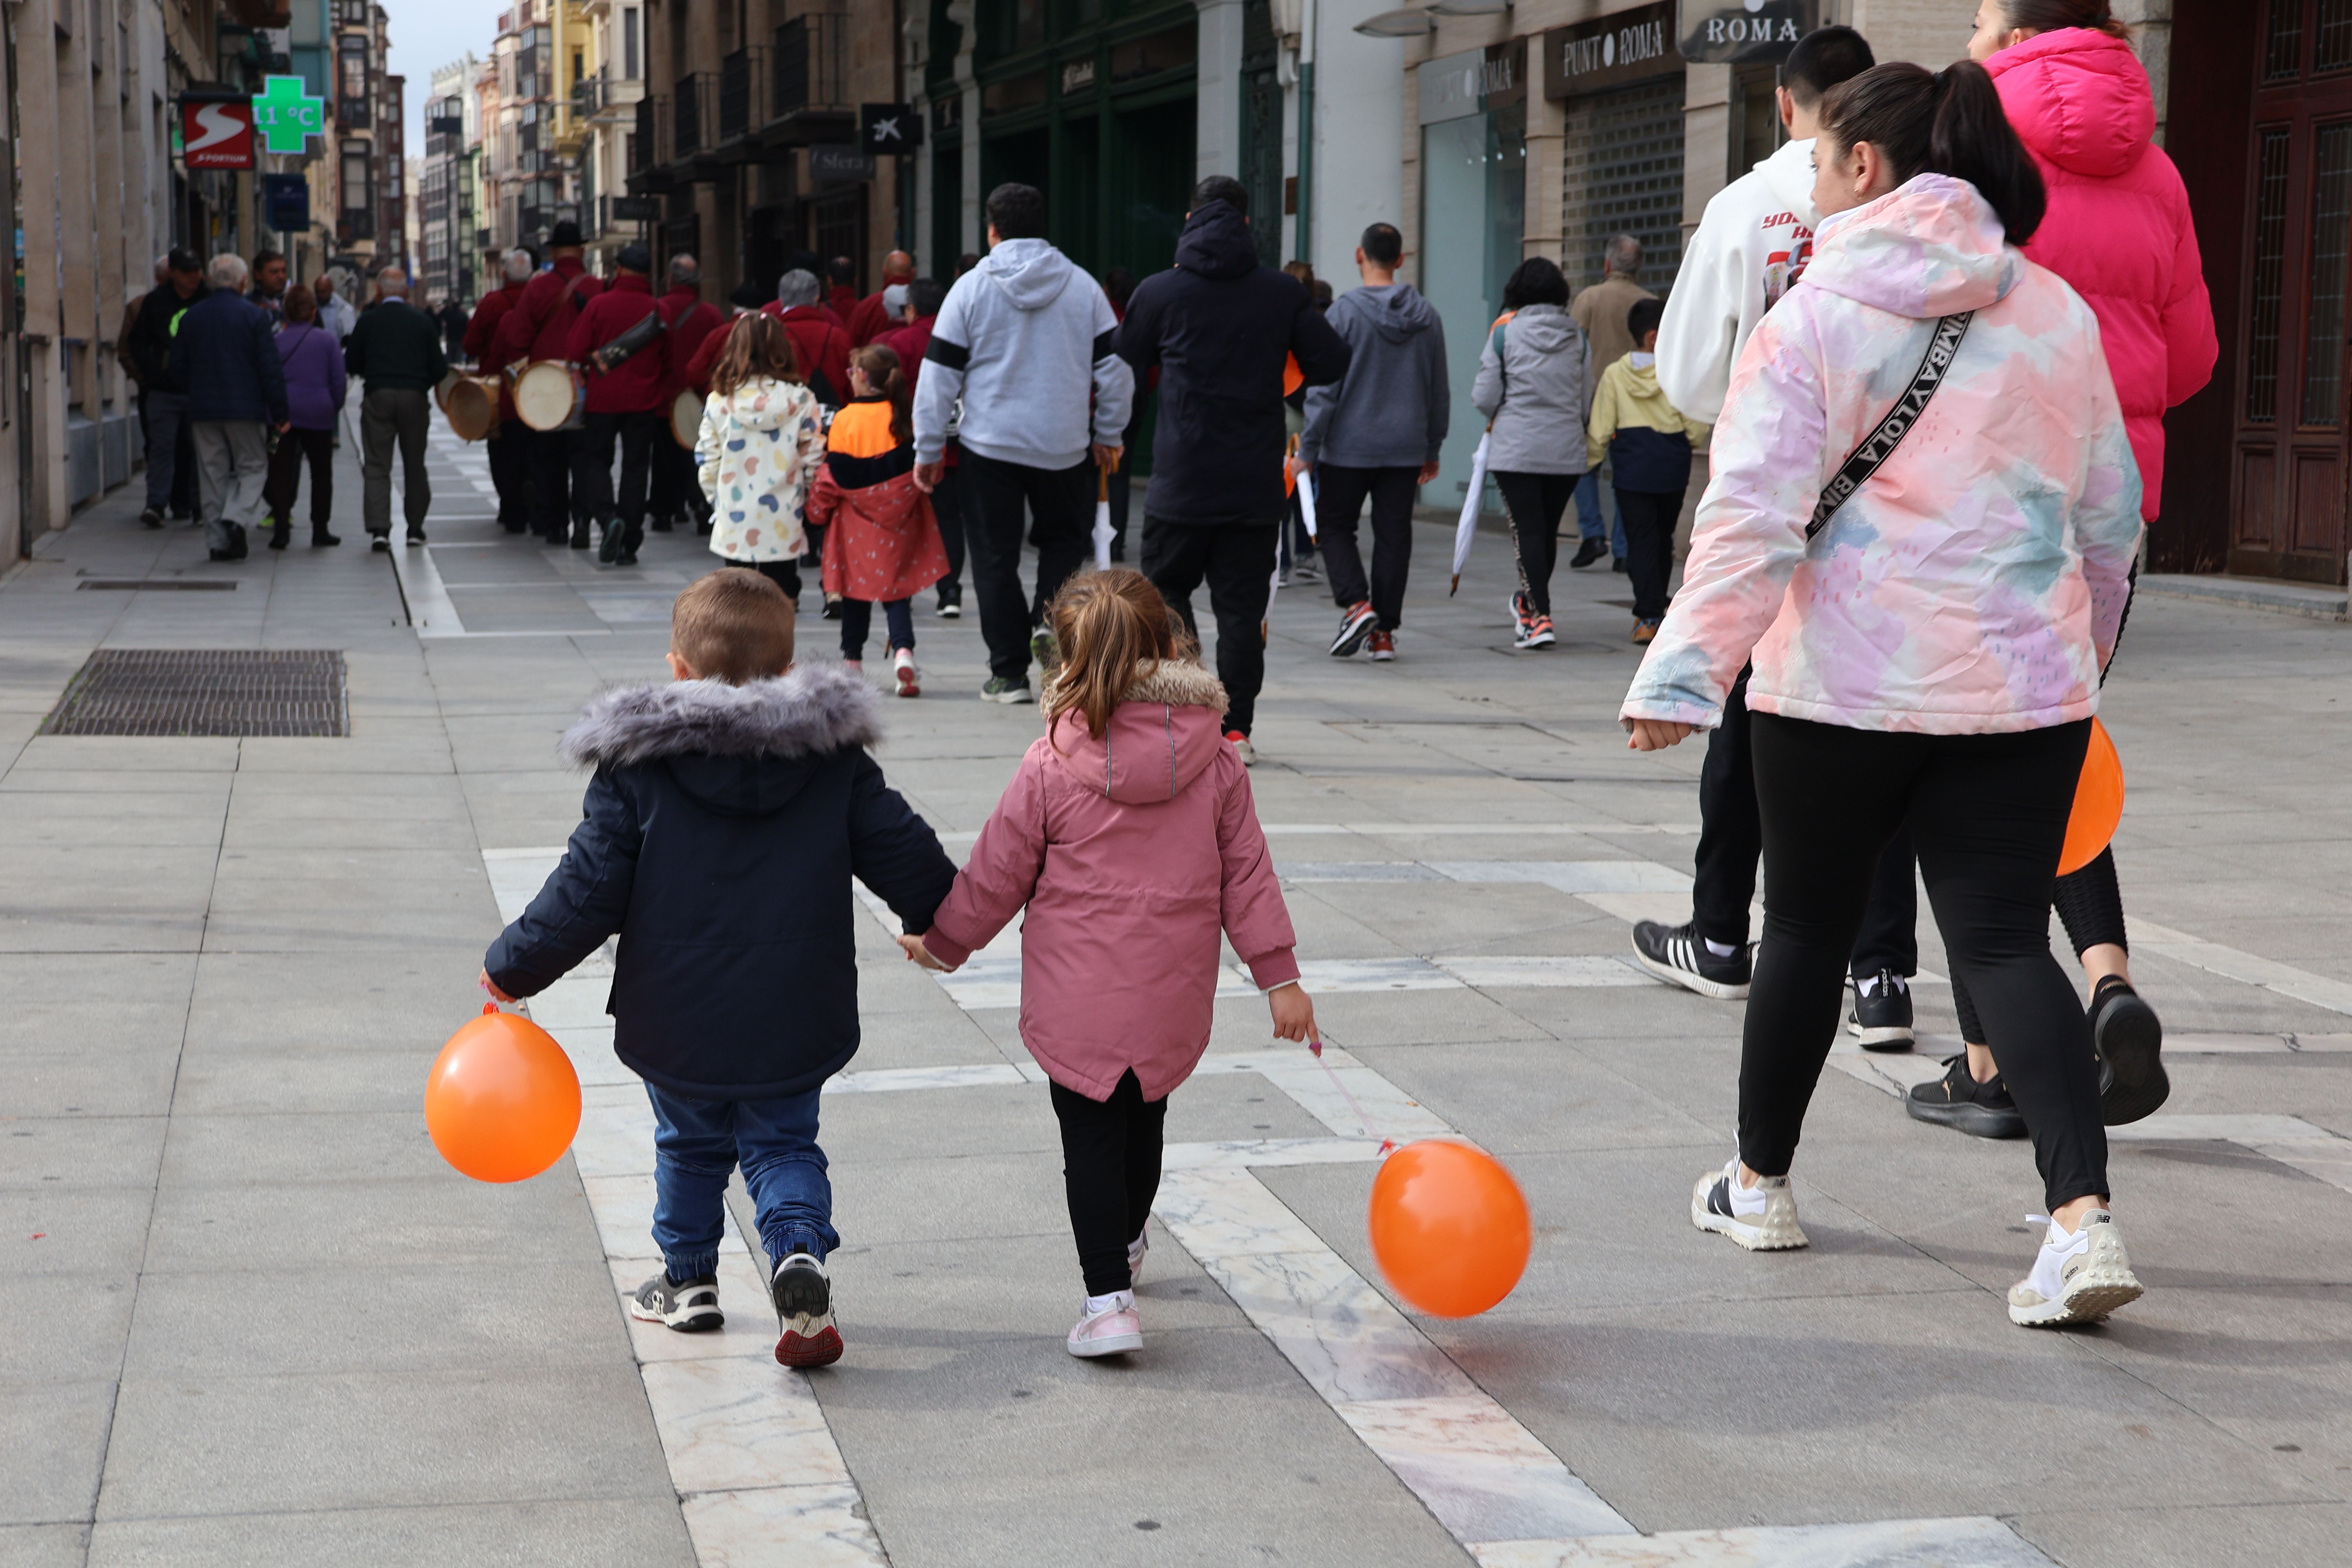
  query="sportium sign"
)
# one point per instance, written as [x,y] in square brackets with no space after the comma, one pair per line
[217,134]
[1618,50]
[1754,30]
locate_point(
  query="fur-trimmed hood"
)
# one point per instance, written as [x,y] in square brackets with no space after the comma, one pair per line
[1164,733]
[742,750]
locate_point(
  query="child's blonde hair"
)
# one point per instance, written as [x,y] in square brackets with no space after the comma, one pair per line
[734,626]
[1113,627]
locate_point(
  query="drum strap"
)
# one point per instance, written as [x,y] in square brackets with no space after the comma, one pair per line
[571,289]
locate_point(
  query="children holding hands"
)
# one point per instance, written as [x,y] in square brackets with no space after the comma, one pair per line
[1130,836]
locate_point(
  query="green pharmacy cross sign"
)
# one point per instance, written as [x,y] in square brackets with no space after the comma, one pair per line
[284,117]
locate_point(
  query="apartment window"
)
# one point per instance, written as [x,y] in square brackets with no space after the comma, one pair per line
[358,177]
[579,68]
[629,42]
[352,81]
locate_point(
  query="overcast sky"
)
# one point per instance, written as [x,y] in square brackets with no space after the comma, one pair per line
[429,34]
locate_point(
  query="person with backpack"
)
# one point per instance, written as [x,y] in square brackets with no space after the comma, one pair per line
[1921,529]
[1532,378]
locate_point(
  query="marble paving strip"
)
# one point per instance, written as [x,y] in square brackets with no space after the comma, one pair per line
[2336,995]
[1967,1542]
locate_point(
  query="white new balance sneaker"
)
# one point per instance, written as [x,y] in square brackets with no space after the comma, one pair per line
[1761,1218]
[2076,1278]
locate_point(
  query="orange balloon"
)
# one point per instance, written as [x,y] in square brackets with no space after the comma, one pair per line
[502,1101]
[1293,378]
[1450,1227]
[2098,802]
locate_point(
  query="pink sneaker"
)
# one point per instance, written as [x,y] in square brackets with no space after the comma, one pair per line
[1114,1330]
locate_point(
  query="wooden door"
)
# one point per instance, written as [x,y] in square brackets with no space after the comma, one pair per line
[2296,380]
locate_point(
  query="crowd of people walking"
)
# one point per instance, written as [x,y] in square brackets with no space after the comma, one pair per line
[1925,347]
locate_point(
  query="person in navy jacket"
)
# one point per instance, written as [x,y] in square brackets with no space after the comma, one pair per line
[227,357]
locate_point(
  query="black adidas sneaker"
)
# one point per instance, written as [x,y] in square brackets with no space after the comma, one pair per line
[1677,955]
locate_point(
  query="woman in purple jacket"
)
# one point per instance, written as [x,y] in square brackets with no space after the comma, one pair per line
[314,400]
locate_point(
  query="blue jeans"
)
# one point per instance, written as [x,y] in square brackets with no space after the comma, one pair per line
[698,1143]
[1588,515]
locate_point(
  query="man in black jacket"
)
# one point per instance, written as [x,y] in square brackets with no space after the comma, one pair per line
[1220,325]
[165,393]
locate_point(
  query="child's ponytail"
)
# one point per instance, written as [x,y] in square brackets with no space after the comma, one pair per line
[882,373]
[1112,626]
[1947,122]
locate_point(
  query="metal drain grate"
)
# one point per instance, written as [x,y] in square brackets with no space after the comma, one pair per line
[204,691]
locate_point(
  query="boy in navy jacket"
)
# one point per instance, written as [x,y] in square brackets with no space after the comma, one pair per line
[728,812]
[1647,442]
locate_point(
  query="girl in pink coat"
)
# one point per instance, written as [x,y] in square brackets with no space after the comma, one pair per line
[2118,231]
[1130,835]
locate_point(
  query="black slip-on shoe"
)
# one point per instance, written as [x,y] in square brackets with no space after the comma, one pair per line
[1960,1102]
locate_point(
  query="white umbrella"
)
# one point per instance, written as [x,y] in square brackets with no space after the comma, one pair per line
[1306,499]
[1102,519]
[1468,526]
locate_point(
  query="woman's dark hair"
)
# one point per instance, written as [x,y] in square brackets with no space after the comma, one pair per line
[1946,122]
[2049,16]
[1535,281]
[301,305]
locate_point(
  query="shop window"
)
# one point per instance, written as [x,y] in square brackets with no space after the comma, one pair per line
[1162,51]
[2269,269]
[2331,229]
[2283,53]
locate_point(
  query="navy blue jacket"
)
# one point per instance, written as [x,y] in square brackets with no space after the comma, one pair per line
[1655,462]
[227,357]
[1219,325]
[719,836]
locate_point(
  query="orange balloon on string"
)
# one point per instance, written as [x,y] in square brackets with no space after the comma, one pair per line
[1450,1227]
[2098,802]
[502,1101]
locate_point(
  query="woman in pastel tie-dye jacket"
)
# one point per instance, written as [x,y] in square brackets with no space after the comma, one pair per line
[1932,654]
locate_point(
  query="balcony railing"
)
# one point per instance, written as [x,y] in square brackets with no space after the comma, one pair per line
[740,77]
[810,77]
[690,114]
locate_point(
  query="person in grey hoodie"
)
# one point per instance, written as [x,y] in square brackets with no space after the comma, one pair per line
[1376,433]
[1025,340]
[1534,388]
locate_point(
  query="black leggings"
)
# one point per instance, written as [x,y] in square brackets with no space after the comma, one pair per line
[1536,502]
[1988,815]
[1111,1169]
[857,620]
[2090,902]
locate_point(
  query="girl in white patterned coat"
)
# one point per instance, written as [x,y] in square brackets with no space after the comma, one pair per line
[762,439]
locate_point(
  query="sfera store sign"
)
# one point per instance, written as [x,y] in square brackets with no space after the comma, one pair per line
[1618,50]
[1737,35]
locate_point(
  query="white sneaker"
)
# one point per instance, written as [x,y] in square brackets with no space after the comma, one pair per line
[1135,1251]
[1761,1218]
[1242,747]
[910,680]
[2076,1278]
[1112,1328]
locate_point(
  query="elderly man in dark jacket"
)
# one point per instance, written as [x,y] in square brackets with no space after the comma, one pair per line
[227,358]
[1220,326]
[396,350]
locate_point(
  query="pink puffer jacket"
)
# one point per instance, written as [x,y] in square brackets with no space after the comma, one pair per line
[2118,228]
[1131,853]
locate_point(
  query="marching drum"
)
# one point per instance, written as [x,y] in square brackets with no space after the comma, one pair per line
[685,418]
[551,396]
[471,405]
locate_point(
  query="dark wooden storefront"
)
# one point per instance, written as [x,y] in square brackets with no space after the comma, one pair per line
[2260,123]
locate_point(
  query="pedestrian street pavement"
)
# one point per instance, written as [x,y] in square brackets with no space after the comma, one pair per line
[268,1324]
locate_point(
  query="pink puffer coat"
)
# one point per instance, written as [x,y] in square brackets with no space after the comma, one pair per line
[1131,853]
[2118,228]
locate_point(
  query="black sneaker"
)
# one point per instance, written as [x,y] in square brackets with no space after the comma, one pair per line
[2127,1035]
[1618,564]
[236,541]
[608,545]
[1881,1020]
[381,544]
[1590,550]
[1958,1100]
[1355,626]
[580,534]
[805,1334]
[1677,955]
[689,1306]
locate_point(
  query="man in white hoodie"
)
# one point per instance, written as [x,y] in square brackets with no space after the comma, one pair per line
[1025,340]
[1751,246]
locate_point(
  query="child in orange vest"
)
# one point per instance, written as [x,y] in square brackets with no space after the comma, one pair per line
[881,541]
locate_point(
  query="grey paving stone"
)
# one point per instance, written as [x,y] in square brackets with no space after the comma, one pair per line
[224,1444]
[81,1153]
[445,1217]
[60,1083]
[56,1229]
[2292,1535]
[54,1432]
[44,1545]
[615,1533]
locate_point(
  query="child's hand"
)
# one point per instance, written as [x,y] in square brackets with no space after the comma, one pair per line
[918,953]
[492,986]
[1293,1014]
